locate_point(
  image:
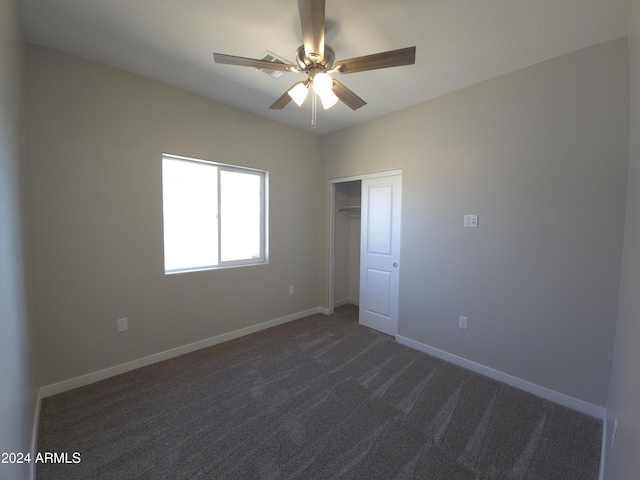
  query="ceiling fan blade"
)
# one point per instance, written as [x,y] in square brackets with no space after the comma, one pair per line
[349,98]
[392,58]
[281,102]
[312,22]
[252,62]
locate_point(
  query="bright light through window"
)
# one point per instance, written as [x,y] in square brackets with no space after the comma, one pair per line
[240,216]
[214,215]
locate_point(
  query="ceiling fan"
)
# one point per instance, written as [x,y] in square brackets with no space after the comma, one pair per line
[317,60]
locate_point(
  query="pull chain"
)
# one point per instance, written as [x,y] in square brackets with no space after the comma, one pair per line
[313,109]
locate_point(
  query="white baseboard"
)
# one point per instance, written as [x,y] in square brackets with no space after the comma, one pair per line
[543,392]
[339,303]
[55,388]
[346,301]
[603,451]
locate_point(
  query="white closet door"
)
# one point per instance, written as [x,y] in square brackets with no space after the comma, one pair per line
[380,253]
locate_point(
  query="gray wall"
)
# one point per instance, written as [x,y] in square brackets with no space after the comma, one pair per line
[96,136]
[623,460]
[17,380]
[541,156]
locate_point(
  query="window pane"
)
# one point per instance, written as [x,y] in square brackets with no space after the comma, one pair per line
[240,200]
[190,201]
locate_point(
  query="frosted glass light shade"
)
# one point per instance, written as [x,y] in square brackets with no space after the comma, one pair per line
[298,93]
[328,99]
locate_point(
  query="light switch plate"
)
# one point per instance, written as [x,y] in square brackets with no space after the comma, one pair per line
[471,221]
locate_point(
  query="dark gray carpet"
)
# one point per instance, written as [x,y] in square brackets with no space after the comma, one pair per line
[319,398]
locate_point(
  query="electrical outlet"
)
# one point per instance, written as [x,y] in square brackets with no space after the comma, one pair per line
[291,290]
[122,324]
[463,322]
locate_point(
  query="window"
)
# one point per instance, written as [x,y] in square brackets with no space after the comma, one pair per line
[214,215]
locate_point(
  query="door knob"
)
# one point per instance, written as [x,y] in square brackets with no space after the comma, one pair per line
[395,265]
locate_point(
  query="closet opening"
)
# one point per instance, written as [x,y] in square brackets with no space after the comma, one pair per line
[346,243]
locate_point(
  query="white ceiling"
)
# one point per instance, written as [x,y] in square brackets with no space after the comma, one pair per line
[459,43]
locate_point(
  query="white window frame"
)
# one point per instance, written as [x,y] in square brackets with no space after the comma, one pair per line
[264,210]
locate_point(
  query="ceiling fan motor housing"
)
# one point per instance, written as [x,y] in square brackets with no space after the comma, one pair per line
[305,62]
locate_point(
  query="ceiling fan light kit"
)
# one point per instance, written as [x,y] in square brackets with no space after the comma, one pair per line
[316,60]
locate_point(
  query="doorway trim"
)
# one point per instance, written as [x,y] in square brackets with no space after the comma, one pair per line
[332,220]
